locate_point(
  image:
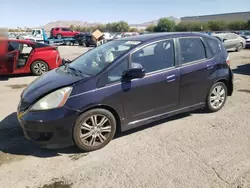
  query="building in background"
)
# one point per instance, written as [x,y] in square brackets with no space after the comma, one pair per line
[228,17]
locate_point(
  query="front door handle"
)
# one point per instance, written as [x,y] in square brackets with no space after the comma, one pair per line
[210,66]
[171,78]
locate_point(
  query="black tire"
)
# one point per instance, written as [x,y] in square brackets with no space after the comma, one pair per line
[79,131]
[87,45]
[239,47]
[59,36]
[209,105]
[39,67]
[68,43]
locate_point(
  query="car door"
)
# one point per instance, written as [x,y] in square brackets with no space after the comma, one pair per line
[195,68]
[230,41]
[39,35]
[8,63]
[66,32]
[158,92]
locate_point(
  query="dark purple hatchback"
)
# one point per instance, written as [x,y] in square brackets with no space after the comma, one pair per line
[123,84]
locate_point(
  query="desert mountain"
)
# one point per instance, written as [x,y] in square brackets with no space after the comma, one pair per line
[64,23]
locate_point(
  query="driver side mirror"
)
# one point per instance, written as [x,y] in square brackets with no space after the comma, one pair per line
[136,71]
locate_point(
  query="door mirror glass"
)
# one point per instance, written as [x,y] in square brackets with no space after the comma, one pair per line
[136,71]
[224,40]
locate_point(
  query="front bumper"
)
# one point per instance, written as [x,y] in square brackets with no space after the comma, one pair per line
[51,128]
[247,44]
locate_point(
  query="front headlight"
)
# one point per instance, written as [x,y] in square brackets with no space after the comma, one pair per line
[53,100]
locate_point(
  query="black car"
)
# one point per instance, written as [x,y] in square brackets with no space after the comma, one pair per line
[86,39]
[123,84]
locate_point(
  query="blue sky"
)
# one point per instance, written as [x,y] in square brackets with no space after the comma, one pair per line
[31,13]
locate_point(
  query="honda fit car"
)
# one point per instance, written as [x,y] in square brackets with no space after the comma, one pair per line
[124,84]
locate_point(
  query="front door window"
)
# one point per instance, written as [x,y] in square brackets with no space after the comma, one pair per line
[156,56]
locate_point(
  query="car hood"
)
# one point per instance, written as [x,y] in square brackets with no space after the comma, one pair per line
[47,83]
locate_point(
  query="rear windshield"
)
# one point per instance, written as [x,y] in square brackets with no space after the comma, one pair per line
[39,45]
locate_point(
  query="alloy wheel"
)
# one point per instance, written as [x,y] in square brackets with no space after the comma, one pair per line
[39,68]
[217,97]
[95,130]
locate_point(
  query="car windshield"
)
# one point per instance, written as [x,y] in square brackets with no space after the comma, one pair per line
[97,59]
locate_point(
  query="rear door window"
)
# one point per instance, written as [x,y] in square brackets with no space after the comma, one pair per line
[191,50]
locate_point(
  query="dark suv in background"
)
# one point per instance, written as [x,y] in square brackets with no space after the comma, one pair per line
[124,84]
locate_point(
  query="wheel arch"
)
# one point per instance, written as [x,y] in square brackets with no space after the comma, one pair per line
[228,84]
[108,108]
[39,60]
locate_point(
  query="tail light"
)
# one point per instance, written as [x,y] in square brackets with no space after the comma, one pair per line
[228,60]
[57,58]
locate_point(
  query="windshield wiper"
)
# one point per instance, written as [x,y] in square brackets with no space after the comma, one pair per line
[76,71]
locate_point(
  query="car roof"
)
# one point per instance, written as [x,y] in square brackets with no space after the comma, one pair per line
[165,35]
[225,33]
[21,41]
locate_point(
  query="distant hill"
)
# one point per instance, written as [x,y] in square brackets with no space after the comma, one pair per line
[64,23]
[154,22]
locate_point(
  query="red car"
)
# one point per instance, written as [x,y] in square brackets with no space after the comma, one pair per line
[60,32]
[24,56]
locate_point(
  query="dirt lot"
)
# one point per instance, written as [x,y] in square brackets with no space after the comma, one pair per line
[189,150]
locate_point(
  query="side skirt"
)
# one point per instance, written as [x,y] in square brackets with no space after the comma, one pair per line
[148,120]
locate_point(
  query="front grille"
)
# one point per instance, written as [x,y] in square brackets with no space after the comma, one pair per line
[23,105]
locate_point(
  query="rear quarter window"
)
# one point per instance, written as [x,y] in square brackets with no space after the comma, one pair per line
[215,45]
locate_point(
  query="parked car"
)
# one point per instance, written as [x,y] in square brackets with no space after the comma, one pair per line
[60,32]
[108,36]
[118,36]
[123,84]
[231,41]
[245,34]
[24,56]
[248,42]
[129,34]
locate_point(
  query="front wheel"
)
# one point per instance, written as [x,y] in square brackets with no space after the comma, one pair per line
[216,97]
[94,129]
[39,67]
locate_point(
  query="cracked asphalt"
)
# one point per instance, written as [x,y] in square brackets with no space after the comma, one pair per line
[196,149]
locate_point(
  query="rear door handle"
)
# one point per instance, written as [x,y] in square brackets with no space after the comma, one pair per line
[210,66]
[171,78]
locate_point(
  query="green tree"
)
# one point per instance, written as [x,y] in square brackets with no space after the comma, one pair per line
[150,28]
[122,26]
[101,27]
[72,27]
[182,27]
[217,25]
[248,24]
[237,25]
[164,25]
[133,30]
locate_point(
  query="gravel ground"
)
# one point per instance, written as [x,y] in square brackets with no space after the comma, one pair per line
[189,150]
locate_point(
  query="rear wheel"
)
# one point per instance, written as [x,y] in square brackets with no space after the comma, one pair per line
[68,43]
[239,47]
[94,129]
[59,36]
[217,97]
[39,67]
